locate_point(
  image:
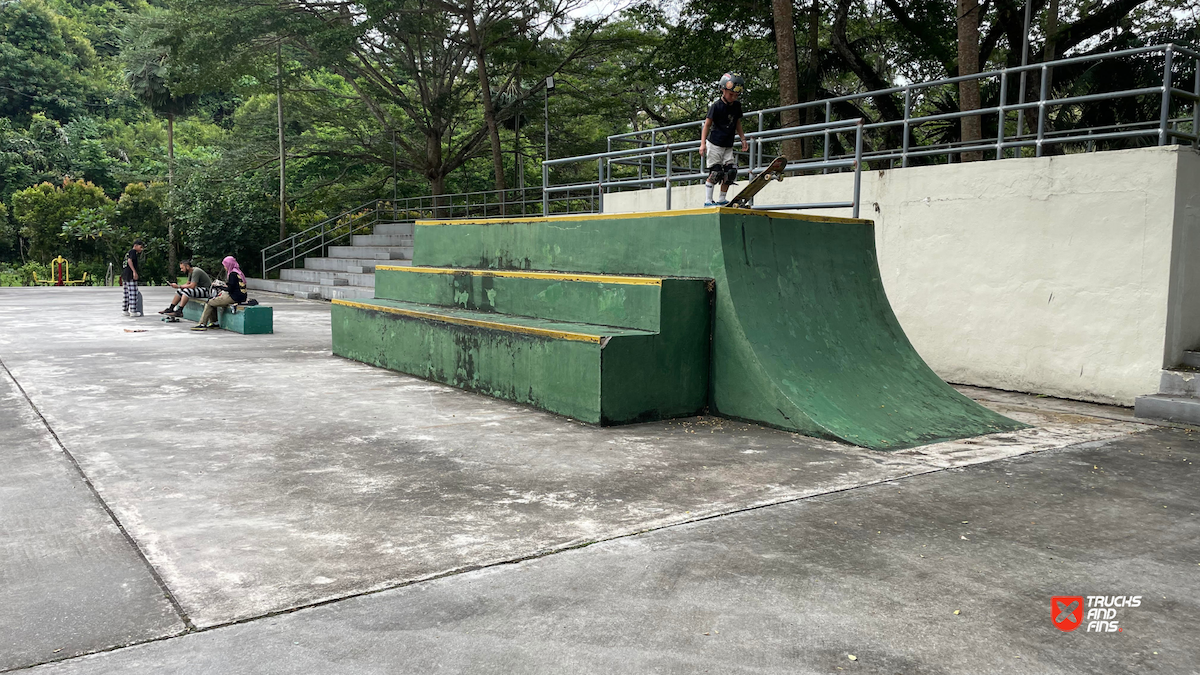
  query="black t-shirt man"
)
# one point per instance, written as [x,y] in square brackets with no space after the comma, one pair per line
[724,116]
[131,265]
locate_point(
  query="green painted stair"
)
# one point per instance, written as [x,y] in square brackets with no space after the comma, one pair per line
[603,349]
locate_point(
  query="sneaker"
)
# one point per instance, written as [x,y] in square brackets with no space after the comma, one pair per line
[169,310]
[213,324]
[178,313]
[721,202]
[708,204]
[200,326]
[135,314]
[125,312]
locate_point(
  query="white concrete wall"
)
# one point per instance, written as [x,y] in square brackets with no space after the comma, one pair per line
[1075,276]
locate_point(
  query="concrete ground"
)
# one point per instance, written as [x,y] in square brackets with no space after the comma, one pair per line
[217,503]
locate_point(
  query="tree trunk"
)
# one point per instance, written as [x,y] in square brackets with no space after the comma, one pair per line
[485,86]
[968,64]
[1051,33]
[282,155]
[789,86]
[172,267]
[813,78]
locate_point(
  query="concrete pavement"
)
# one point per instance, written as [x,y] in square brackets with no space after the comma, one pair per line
[212,502]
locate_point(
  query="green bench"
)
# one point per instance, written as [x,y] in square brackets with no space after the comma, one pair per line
[252,320]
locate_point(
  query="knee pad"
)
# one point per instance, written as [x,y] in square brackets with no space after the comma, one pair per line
[730,173]
[715,172]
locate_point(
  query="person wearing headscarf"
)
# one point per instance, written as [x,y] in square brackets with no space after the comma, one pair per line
[234,293]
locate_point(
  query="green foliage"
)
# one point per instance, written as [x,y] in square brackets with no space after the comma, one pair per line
[235,217]
[43,63]
[42,210]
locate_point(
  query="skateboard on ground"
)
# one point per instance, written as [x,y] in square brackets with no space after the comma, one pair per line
[170,318]
[774,171]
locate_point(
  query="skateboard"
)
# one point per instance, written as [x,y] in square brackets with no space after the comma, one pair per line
[774,171]
[170,319]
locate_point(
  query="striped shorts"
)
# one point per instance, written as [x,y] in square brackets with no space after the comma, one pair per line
[198,292]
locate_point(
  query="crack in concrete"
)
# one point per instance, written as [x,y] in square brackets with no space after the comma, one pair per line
[930,469]
[162,584]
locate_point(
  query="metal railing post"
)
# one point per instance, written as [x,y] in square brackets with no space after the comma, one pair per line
[857,167]
[1042,112]
[600,185]
[828,113]
[1196,108]
[545,192]
[1165,113]
[904,148]
[264,265]
[669,160]
[1000,115]
[653,136]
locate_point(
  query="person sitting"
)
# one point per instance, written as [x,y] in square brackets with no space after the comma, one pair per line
[234,293]
[198,285]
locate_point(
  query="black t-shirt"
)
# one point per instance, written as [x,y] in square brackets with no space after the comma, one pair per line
[236,287]
[126,270]
[724,118]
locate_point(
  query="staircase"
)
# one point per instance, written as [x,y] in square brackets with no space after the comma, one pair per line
[1178,397]
[602,348]
[346,272]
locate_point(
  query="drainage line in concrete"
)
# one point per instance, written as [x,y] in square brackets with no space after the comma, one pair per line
[162,584]
[929,470]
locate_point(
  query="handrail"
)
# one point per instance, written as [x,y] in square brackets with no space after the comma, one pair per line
[642,165]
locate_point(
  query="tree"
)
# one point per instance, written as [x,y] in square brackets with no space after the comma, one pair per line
[968,64]
[149,76]
[42,210]
[789,81]
[43,65]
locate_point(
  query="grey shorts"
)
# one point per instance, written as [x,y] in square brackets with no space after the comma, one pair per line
[718,156]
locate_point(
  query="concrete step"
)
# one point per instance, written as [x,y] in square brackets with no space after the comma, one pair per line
[382,240]
[323,276]
[1184,409]
[371,252]
[351,265]
[1191,359]
[312,291]
[1180,383]
[405,229]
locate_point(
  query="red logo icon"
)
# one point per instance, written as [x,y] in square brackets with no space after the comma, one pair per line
[1066,611]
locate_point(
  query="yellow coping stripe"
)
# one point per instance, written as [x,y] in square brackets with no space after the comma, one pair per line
[650,214]
[530,330]
[553,276]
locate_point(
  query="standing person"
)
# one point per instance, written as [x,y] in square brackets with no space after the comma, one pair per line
[199,285]
[235,292]
[129,279]
[724,120]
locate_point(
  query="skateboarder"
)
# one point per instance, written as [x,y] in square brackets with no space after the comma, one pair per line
[198,285]
[129,279]
[723,122]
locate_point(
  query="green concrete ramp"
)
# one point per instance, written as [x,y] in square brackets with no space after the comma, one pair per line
[803,337]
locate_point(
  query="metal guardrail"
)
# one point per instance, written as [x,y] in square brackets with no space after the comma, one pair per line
[1012,131]
[673,175]
[657,160]
[314,241]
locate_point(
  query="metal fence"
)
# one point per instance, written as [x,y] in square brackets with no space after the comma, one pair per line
[1022,116]
[315,241]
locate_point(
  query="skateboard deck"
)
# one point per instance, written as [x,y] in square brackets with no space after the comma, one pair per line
[774,171]
[170,319]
